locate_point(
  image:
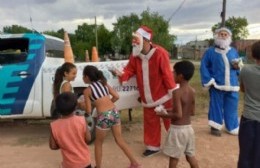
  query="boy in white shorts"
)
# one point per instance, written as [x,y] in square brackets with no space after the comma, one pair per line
[180,138]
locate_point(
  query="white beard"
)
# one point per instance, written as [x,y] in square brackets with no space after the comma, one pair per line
[137,48]
[223,43]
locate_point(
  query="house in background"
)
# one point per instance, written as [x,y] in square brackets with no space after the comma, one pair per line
[244,48]
[193,49]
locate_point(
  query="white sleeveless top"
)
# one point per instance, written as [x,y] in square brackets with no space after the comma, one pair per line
[62,83]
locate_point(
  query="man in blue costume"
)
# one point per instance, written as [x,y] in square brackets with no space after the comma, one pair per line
[219,70]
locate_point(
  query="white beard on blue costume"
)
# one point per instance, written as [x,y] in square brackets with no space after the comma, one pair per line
[222,43]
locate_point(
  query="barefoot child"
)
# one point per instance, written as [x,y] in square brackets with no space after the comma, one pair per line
[180,138]
[70,133]
[103,97]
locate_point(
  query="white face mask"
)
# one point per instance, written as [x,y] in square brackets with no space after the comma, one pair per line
[221,42]
[137,46]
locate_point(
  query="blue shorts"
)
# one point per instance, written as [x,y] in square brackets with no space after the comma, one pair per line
[106,120]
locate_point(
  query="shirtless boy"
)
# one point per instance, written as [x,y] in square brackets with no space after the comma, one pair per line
[180,138]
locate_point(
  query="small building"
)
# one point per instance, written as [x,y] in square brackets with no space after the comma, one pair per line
[244,48]
[193,49]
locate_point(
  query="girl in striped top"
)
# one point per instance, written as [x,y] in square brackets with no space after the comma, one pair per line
[102,96]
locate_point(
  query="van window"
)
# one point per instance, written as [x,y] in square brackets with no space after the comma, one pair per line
[13,50]
[54,48]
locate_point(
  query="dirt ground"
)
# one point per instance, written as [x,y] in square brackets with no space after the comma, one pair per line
[26,146]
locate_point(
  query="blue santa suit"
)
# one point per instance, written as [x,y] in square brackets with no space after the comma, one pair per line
[222,80]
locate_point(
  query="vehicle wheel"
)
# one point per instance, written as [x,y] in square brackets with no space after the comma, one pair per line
[91,123]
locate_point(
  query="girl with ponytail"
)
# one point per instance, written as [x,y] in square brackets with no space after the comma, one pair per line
[103,96]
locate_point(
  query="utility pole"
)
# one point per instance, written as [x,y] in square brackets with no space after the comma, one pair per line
[223,13]
[96,33]
[195,48]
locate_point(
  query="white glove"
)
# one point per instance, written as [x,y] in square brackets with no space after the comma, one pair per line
[160,109]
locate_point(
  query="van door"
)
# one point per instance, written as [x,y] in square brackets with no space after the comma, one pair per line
[21,57]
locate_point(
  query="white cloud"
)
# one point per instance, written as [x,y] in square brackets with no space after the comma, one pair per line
[192,20]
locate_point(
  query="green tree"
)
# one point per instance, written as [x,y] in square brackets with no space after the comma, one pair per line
[16,29]
[160,28]
[238,26]
[104,41]
[85,39]
[122,33]
[79,49]
[59,33]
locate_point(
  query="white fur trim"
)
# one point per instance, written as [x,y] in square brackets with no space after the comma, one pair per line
[144,33]
[148,55]
[227,88]
[162,100]
[224,29]
[227,68]
[146,81]
[211,82]
[171,90]
[215,125]
[225,51]
[234,131]
[219,87]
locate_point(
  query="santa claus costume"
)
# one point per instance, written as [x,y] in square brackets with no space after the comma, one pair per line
[219,75]
[155,82]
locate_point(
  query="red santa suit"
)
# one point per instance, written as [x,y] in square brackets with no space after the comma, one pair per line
[156,83]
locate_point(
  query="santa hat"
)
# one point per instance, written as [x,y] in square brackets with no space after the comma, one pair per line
[146,32]
[223,29]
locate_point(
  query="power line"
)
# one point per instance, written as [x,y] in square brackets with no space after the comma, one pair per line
[177,10]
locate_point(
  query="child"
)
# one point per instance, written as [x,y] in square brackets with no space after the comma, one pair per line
[180,138]
[249,130]
[70,133]
[99,93]
[63,76]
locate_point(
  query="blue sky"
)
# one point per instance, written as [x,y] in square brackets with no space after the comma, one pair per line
[193,20]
